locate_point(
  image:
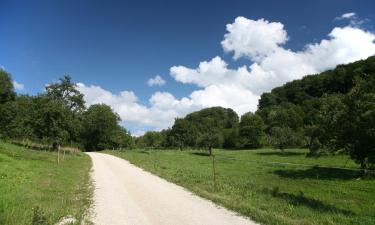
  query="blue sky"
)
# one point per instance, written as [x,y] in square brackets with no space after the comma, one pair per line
[119,45]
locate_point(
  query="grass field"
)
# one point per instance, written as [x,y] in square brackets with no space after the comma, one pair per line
[255,184]
[32,185]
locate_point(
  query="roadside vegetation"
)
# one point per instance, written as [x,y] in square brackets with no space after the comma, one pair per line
[269,186]
[36,190]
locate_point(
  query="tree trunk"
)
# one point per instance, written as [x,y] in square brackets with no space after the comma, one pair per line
[364,167]
[282,149]
[210,150]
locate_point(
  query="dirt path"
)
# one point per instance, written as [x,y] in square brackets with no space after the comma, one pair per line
[127,195]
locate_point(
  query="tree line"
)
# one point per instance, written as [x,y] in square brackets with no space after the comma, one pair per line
[331,112]
[58,116]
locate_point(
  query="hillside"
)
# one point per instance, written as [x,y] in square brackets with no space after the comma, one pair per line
[340,80]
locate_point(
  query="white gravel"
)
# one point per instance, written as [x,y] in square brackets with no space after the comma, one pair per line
[127,195]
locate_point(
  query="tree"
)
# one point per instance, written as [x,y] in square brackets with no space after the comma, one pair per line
[99,127]
[250,130]
[6,87]
[121,138]
[182,134]
[52,121]
[357,131]
[283,137]
[65,92]
[151,139]
[211,137]
[17,117]
[328,124]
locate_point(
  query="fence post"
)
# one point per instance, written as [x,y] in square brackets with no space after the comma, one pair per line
[214,170]
[58,154]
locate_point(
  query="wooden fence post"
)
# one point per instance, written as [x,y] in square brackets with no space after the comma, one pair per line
[58,154]
[214,170]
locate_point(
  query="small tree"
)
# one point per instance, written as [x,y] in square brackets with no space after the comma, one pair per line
[211,136]
[282,137]
[250,130]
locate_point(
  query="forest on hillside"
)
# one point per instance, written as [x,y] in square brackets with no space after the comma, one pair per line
[331,112]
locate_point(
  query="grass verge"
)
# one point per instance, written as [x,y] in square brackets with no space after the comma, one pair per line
[34,187]
[267,186]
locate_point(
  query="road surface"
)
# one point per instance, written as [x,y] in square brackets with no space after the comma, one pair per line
[127,195]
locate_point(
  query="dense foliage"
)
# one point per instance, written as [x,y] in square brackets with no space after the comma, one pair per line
[329,112]
[58,117]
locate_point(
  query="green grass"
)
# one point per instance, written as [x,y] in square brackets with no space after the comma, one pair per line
[32,179]
[253,183]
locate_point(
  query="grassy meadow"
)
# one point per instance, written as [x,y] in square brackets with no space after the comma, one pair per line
[267,186]
[34,187]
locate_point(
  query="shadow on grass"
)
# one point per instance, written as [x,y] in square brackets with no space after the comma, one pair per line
[319,173]
[200,153]
[302,200]
[143,152]
[285,154]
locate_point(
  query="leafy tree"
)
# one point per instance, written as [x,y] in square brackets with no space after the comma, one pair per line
[65,92]
[182,134]
[6,87]
[357,131]
[329,121]
[121,138]
[222,120]
[17,117]
[250,130]
[211,137]
[52,122]
[99,126]
[283,137]
[151,139]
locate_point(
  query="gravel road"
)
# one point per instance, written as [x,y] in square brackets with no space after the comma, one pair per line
[127,195]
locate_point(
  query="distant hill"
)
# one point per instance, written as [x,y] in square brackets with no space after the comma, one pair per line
[339,80]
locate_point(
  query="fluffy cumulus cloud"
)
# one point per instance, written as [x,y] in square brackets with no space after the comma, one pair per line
[161,112]
[253,38]
[213,72]
[270,64]
[156,81]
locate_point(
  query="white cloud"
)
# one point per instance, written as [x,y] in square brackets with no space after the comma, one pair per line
[353,19]
[163,109]
[346,16]
[211,72]
[344,45]
[156,81]
[253,38]
[270,65]
[18,86]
